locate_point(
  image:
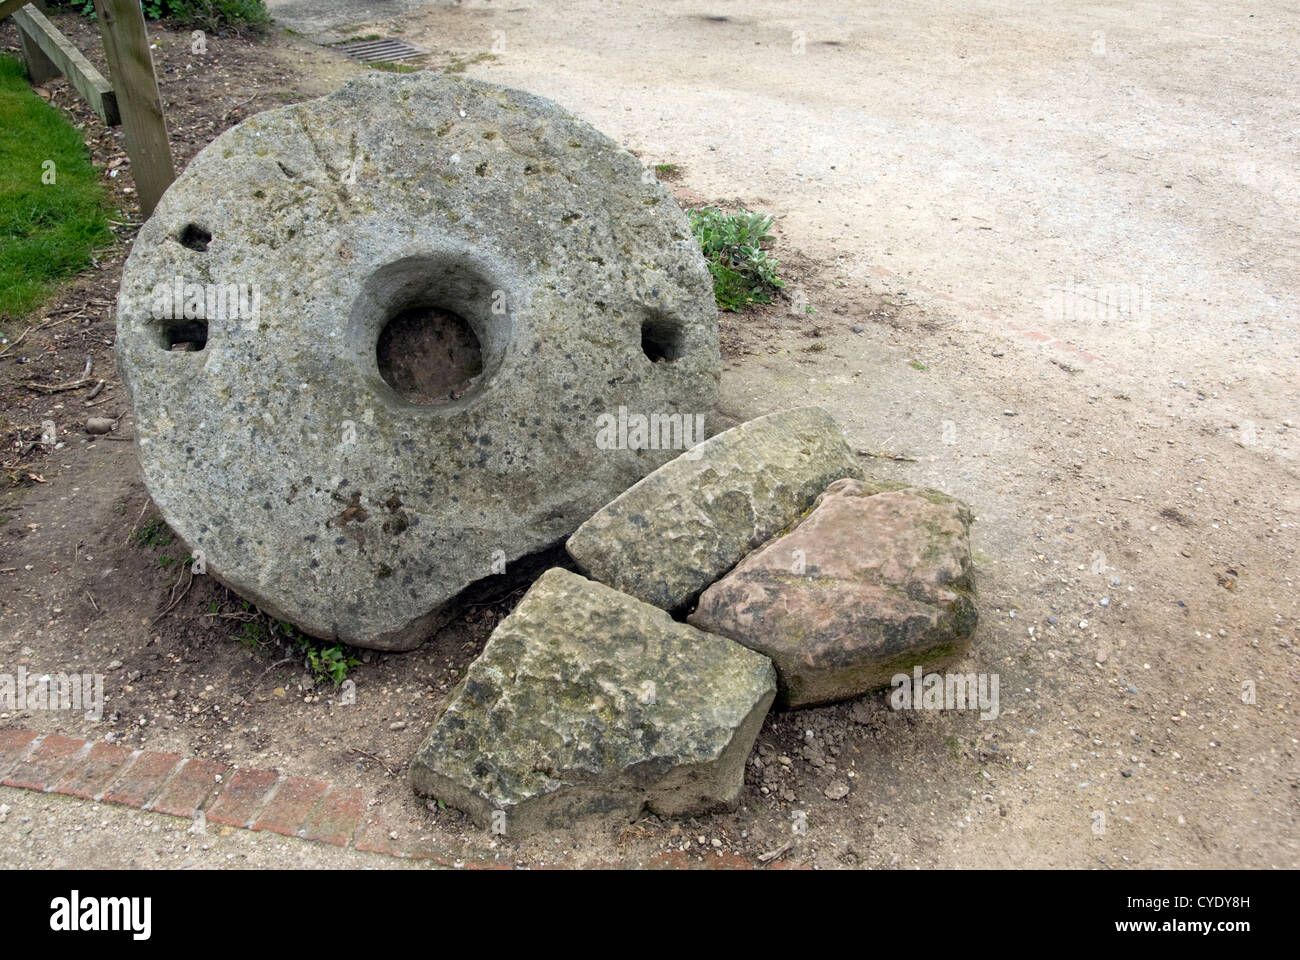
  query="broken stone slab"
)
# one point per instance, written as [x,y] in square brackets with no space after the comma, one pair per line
[589,703]
[870,584]
[681,527]
[370,340]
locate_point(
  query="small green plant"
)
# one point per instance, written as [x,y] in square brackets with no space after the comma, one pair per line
[329,663]
[733,245]
[668,171]
[261,633]
[153,534]
[251,635]
[917,365]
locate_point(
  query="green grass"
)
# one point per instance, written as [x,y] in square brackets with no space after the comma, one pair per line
[389,67]
[459,66]
[155,533]
[743,271]
[47,230]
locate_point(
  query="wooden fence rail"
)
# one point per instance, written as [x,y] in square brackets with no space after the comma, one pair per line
[49,53]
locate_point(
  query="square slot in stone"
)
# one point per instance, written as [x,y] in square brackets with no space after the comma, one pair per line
[185,336]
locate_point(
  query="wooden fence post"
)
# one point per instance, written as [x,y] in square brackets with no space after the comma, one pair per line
[126,47]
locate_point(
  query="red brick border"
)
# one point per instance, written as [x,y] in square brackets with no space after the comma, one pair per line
[141,780]
[41,768]
[182,786]
[179,786]
[249,798]
[242,797]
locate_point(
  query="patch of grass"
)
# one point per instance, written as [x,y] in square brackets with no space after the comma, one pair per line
[668,171]
[48,230]
[733,244]
[155,533]
[252,636]
[458,66]
[392,67]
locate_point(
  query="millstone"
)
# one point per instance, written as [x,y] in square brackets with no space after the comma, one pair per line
[367,340]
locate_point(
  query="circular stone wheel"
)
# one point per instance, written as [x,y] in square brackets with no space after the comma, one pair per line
[368,338]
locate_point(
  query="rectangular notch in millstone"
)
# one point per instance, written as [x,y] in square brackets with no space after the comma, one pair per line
[185,336]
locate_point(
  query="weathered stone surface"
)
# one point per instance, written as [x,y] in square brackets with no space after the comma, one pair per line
[680,528]
[316,453]
[587,702]
[868,585]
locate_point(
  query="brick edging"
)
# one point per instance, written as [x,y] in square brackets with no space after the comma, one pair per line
[179,786]
[245,798]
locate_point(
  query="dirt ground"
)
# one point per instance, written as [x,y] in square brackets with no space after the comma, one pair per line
[1053,267]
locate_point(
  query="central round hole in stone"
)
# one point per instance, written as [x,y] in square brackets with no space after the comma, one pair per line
[431,331]
[428,355]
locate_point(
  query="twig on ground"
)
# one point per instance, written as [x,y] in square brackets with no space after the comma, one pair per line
[275,666]
[776,854]
[143,507]
[885,455]
[376,759]
[81,381]
[227,115]
[177,599]
[21,337]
